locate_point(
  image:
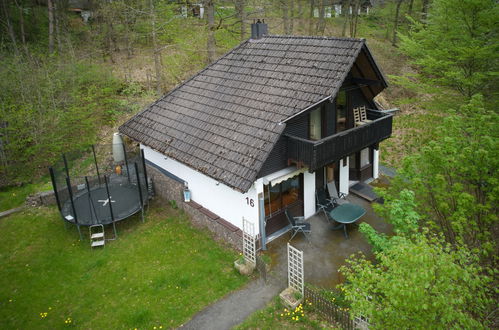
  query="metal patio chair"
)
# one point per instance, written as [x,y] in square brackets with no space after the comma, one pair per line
[336,198]
[323,203]
[298,225]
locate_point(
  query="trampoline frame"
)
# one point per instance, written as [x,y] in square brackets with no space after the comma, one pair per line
[73,218]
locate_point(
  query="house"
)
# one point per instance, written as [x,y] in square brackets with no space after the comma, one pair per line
[264,126]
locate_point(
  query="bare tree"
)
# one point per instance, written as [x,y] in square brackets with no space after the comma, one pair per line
[321,23]
[51,15]
[411,5]
[57,19]
[285,16]
[210,16]
[424,10]
[241,14]
[156,51]
[346,14]
[10,28]
[311,17]
[354,18]
[396,22]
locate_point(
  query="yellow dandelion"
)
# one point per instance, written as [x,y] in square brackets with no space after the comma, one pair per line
[282,314]
[161,327]
[10,300]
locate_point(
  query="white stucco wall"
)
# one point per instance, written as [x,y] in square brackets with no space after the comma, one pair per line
[211,194]
[344,175]
[375,163]
[308,194]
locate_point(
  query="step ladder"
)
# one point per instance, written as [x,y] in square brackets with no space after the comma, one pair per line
[97,235]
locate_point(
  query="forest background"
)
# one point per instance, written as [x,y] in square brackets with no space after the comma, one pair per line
[72,71]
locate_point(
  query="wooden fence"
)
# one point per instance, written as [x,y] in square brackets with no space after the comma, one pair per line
[326,308]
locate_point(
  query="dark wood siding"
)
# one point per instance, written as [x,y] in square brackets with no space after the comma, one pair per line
[277,159]
[358,99]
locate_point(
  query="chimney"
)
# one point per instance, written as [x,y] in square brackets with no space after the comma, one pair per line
[259,29]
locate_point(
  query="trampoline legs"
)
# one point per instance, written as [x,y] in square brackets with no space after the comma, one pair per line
[115,233]
[79,232]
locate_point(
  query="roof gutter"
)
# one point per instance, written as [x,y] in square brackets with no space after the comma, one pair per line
[304,110]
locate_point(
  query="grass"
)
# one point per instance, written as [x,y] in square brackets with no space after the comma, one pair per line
[277,316]
[12,197]
[158,273]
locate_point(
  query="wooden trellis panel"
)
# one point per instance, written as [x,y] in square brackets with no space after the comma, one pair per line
[295,269]
[249,241]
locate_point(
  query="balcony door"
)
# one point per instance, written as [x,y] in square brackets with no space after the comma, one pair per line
[342,111]
[315,124]
[361,167]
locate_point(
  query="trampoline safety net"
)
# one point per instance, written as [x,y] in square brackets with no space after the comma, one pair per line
[100,184]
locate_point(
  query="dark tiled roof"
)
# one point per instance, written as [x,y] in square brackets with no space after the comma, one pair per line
[225,120]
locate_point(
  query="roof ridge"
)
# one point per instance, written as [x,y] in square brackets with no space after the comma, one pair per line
[275,36]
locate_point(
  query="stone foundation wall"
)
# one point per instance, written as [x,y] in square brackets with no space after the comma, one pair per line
[44,198]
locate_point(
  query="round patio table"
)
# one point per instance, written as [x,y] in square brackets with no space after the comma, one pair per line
[345,214]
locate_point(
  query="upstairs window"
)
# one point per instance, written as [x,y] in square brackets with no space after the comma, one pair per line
[341,111]
[315,124]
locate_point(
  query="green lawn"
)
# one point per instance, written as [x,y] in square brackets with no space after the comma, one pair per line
[12,197]
[158,273]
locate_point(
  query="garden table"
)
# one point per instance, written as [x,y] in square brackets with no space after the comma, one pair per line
[345,214]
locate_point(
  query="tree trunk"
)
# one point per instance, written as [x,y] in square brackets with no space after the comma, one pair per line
[50,6]
[411,5]
[285,16]
[241,14]
[210,44]
[21,27]
[10,28]
[300,14]
[346,14]
[156,51]
[396,22]
[321,23]
[291,15]
[57,19]
[424,10]
[311,18]
[354,19]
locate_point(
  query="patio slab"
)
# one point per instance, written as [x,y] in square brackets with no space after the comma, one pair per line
[328,248]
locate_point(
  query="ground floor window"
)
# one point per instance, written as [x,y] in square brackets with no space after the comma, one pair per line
[279,196]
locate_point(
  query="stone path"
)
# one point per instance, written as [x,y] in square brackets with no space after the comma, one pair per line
[234,308]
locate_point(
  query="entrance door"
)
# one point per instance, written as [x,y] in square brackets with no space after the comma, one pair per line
[361,167]
[278,197]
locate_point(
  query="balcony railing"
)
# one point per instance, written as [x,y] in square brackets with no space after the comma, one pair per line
[315,154]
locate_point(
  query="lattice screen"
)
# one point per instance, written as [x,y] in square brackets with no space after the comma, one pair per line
[249,241]
[295,268]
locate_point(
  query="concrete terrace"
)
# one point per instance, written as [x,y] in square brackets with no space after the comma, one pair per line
[329,248]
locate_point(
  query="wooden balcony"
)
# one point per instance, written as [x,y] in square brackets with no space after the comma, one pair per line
[315,154]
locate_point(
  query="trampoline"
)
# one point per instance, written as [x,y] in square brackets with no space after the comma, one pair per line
[92,208]
[114,187]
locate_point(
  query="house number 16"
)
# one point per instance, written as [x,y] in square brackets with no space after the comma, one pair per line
[250,202]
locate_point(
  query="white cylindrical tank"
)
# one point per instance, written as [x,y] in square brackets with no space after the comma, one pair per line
[118,152]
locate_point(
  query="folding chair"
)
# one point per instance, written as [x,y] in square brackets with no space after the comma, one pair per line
[298,225]
[337,198]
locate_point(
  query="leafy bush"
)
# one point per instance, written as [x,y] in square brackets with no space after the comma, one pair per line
[49,106]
